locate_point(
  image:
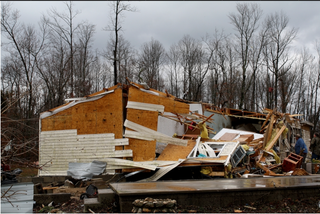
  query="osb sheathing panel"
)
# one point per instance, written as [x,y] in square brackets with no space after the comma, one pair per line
[175,152]
[94,117]
[142,150]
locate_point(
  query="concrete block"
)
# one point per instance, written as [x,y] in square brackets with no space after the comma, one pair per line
[91,203]
[309,167]
[45,199]
[59,178]
[109,178]
[24,179]
[106,196]
[48,179]
[36,180]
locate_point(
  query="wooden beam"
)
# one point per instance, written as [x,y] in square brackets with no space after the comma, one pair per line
[265,122]
[274,140]
[207,118]
[267,135]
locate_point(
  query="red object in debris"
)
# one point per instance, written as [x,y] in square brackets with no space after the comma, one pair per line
[192,124]
[270,89]
[291,162]
[5,167]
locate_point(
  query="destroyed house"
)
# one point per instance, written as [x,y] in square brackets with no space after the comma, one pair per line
[91,128]
[134,128]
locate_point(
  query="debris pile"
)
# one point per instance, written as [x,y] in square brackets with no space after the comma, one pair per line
[149,205]
[256,154]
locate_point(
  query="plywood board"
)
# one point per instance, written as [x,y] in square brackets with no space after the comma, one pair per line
[175,152]
[142,150]
[247,138]
[228,136]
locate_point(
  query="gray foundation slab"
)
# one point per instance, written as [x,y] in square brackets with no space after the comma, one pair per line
[218,192]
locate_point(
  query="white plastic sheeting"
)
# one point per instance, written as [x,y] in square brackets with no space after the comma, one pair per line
[86,170]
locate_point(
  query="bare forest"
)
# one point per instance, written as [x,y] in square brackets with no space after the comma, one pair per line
[254,68]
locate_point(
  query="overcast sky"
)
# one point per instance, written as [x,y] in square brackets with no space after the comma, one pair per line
[169,21]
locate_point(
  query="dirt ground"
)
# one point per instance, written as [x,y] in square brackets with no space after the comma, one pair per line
[305,205]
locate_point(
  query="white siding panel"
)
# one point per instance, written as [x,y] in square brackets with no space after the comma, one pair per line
[96,136]
[66,132]
[58,148]
[114,161]
[50,148]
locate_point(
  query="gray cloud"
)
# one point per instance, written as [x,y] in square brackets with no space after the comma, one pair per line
[169,21]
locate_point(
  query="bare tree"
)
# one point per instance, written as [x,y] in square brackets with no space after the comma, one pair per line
[125,58]
[190,50]
[287,88]
[278,58]
[245,23]
[316,111]
[216,46]
[174,72]
[54,70]
[84,59]
[63,25]
[117,9]
[24,47]
[151,59]
[256,60]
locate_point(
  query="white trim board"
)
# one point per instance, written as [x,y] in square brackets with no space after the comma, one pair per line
[114,161]
[145,106]
[73,103]
[154,134]
[239,132]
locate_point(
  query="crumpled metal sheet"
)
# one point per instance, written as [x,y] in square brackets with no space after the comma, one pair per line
[85,171]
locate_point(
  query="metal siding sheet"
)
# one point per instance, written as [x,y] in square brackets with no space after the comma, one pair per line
[219,122]
[22,198]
